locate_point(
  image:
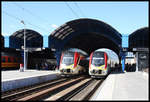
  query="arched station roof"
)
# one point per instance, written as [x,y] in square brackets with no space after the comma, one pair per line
[2,41]
[139,38]
[87,35]
[33,39]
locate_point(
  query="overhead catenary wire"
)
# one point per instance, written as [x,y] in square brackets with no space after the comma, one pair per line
[11,16]
[21,20]
[31,13]
[79,9]
[72,10]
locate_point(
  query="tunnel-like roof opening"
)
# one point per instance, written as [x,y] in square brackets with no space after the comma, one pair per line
[33,39]
[139,38]
[87,35]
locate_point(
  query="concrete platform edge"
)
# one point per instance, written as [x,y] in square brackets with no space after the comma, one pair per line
[13,84]
[106,87]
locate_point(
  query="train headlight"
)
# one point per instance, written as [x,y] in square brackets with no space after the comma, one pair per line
[71,70]
[104,72]
[91,71]
[103,66]
[71,67]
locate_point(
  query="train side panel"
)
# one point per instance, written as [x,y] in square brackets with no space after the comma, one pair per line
[10,60]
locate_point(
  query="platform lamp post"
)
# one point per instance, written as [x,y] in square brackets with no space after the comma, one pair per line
[24,46]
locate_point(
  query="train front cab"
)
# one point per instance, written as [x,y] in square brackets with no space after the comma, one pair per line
[98,65]
[69,64]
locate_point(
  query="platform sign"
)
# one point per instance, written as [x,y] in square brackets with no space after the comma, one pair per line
[140,49]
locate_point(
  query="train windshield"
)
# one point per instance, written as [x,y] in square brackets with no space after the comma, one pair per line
[98,61]
[68,60]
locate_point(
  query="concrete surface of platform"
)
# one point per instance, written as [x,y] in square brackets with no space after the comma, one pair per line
[124,86]
[14,79]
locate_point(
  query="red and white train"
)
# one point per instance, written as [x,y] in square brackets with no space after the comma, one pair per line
[11,60]
[100,63]
[72,63]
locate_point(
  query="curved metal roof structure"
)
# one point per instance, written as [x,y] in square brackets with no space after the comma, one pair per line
[33,39]
[2,41]
[139,38]
[85,34]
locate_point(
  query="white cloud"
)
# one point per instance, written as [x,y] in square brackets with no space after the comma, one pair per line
[54,26]
[5,34]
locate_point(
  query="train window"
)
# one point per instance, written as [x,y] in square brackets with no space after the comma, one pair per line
[9,59]
[20,60]
[67,60]
[98,61]
[12,59]
[15,59]
[3,59]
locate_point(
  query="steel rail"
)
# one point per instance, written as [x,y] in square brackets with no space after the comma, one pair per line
[86,93]
[41,94]
[10,95]
[61,94]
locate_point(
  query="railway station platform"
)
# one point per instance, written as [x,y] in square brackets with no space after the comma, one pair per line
[13,79]
[124,86]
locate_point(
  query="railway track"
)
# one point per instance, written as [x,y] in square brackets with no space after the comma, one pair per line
[10,95]
[73,88]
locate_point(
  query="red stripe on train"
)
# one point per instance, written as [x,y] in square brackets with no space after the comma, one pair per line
[61,59]
[76,55]
[90,60]
[105,56]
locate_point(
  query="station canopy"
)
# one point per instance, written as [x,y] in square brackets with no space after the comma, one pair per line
[85,34]
[2,41]
[44,54]
[139,38]
[33,39]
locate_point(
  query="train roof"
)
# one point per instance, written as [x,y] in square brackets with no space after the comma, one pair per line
[109,54]
[74,52]
[16,54]
[98,51]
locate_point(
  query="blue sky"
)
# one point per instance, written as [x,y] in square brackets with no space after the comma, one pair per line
[45,17]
